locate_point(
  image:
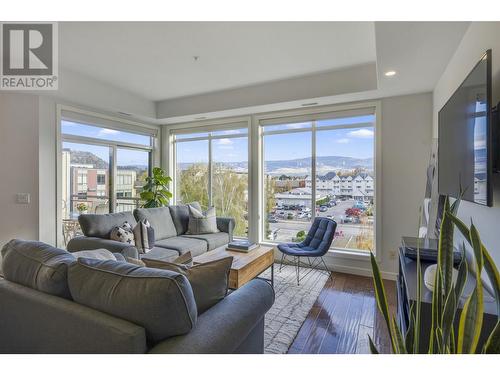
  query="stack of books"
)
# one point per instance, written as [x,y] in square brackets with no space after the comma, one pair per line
[241,245]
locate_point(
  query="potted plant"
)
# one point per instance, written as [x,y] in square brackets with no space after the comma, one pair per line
[155,192]
[446,296]
[82,208]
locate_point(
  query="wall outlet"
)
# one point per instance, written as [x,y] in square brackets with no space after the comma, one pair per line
[23,198]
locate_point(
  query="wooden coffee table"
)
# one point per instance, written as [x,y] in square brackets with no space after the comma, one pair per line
[246,266]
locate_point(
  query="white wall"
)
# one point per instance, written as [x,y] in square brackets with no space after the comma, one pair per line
[479,37]
[19,161]
[28,129]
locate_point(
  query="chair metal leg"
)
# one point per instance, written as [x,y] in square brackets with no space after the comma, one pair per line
[282,258]
[326,267]
[297,263]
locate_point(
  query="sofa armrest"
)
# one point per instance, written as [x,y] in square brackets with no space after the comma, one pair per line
[91,243]
[226,224]
[224,327]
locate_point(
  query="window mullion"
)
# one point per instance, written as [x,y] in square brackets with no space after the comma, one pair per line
[210,170]
[313,171]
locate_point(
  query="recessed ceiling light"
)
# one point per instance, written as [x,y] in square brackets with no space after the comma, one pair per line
[390,73]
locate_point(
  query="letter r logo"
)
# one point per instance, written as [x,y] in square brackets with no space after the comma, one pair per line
[27,49]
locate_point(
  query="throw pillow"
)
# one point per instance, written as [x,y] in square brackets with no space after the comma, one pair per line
[144,236]
[210,281]
[123,233]
[202,222]
[185,260]
[100,254]
[137,262]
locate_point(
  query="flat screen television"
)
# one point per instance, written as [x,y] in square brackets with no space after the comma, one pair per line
[465,138]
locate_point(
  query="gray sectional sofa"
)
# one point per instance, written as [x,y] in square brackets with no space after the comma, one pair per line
[121,308]
[170,225]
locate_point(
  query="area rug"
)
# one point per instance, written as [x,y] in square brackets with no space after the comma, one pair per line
[292,304]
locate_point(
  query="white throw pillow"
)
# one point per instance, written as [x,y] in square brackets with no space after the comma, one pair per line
[100,254]
[123,233]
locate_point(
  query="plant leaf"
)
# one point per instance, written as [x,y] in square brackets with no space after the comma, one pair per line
[471,320]
[448,317]
[477,247]
[399,338]
[373,348]
[462,276]
[410,333]
[382,299]
[445,251]
[492,345]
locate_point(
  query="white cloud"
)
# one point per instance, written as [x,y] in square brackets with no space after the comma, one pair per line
[343,140]
[108,131]
[225,141]
[361,133]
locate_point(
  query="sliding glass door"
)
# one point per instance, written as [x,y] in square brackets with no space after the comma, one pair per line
[102,170]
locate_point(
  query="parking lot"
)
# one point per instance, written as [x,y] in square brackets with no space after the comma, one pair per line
[285,230]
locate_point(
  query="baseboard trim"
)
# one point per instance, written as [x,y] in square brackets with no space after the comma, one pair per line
[359,271]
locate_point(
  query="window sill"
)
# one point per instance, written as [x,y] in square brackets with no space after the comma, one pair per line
[336,253]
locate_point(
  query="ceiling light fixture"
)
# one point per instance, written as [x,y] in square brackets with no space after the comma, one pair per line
[390,73]
[309,104]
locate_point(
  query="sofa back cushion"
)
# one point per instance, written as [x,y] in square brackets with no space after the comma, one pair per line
[160,301]
[38,266]
[180,216]
[94,225]
[160,219]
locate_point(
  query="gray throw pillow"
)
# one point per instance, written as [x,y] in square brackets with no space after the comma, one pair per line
[202,222]
[144,235]
[160,301]
[209,281]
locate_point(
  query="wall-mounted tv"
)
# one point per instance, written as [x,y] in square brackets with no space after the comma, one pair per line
[464,140]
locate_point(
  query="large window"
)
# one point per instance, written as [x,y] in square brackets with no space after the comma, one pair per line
[320,167]
[212,169]
[102,170]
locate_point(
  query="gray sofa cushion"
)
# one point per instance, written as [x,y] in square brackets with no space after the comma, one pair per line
[214,240]
[160,219]
[101,225]
[38,266]
[180,216]
[161,253]
[184,244]
[208,280]
[160,301]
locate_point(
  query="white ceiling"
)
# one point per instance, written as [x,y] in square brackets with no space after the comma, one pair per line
[155,60]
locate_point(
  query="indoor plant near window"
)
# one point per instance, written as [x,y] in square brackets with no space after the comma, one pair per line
[155,192]
[82,208]
[445,298]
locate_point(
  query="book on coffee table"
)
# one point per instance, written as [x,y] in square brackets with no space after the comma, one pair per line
[241,245]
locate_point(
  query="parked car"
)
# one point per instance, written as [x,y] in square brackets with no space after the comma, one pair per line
[272,219]
[323,209]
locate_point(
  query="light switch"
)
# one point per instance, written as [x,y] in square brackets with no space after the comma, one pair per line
[23,198]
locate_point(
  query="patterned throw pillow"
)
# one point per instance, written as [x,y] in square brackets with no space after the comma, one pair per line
[123,233]
[144,236]
[202,222]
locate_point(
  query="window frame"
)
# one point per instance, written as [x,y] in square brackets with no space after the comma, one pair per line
[315,114]
[85,117]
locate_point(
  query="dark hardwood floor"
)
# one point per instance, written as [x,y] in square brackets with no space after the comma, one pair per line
[343,316]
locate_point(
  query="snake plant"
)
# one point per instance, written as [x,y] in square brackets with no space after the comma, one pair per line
[446,297]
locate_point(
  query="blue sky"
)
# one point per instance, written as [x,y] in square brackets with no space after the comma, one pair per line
[125,156]
[352,142]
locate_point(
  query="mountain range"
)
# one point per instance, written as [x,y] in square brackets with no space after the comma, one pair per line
[302,166]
